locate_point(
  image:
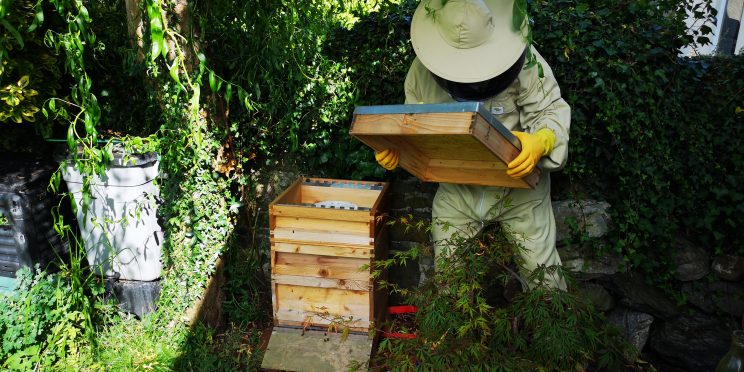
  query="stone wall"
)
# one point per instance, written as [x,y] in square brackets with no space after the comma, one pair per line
[688,333]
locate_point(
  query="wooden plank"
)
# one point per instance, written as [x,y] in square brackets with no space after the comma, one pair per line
[381,201]
[357,328]
[494,141]
[475,177]
[324,250]
[326,226]
[322,306]
[299,192]
[309,281]
[274,299]
[320,266]
[410,157]
[310,350]
[502,148]
[412,124]
[290,194]
[455,147]
[315,237]
[467,164]
[321,213]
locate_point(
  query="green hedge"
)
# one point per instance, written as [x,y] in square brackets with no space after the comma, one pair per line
[657,136]
[305,68]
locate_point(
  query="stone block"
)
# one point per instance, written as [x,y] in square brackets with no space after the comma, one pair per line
[597,295]
[694,341]
[636,327]
[418,200]
[403,245]
[407,193]
[716,297]
[589,216]
[691,262]
[398,202]
[589,265]
[408,232]
[638,295]
[729,267]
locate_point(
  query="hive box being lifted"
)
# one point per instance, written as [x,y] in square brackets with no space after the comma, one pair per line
[324,235]
[447,142]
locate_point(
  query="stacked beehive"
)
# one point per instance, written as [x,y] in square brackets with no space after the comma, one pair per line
[325,234]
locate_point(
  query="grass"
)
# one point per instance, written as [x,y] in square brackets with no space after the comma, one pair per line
[131,344]
[127,343]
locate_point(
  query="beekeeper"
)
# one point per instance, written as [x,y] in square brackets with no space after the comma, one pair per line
[470,50]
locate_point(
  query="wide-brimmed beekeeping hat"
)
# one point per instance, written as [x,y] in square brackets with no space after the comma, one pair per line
[467,41]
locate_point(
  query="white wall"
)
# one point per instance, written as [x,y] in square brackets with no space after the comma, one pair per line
[720,6]
[740,38]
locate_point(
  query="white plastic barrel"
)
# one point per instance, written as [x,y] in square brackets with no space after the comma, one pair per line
[120,230]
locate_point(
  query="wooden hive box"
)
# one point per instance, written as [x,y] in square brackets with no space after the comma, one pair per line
[321,255]
[448,142]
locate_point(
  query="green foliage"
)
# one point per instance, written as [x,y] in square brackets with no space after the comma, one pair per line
[125,94]
[20,102]
[652,133]
[246,289]
[50,319]
[127,344]
[377,53]
[43,323]
[29,74]
[197,207]
[197,212]
[234,350]
[462,323]
[300,71]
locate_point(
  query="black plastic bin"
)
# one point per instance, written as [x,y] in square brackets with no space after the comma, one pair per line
[28,236]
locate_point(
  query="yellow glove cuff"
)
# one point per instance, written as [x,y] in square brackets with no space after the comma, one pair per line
[547,139]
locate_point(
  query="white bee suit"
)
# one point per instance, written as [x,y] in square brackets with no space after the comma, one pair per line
[528,104]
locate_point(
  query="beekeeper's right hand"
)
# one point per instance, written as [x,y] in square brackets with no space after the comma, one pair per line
[388,158]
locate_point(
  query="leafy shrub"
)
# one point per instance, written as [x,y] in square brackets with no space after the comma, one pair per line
[304,66]
[650,130]
[462,322]
[29,74]
[40,322]
[121,81]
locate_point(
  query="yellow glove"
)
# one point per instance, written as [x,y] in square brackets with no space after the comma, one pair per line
[388,158]
[534,147]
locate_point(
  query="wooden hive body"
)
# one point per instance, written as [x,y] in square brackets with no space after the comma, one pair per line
[454,142]
[321,258]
